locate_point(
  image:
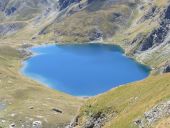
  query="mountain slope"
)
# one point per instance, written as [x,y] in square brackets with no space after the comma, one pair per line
[26,103]
[125,106]
[100,20]
[147,39]
[141,28]
[143,104]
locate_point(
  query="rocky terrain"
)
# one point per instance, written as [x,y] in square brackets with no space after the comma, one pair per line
[146,24]
[159,111]
[140,27]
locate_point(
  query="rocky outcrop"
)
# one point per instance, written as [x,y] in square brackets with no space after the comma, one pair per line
[96,121]
[156,37]
[3,4]
[160,34]
[151,13]
[10,11]
[22,7]
[166,68]
[155,114]
[93,120]
[65,3]
[95,34]
[24,53]
[10,28]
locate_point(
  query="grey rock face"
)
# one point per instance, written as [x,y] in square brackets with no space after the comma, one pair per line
[138,38]
[95,34]
[10,11]
[166,68]
[24,53]
[166,13]
[158,35]
[156,113]
[65,3]
[96,121]
[152,12]
[10,28]
[12,7]
[3,4]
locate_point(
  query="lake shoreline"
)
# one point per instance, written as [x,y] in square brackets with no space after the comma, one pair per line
[84,97]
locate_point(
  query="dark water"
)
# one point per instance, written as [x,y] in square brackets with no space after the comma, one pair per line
[83,70]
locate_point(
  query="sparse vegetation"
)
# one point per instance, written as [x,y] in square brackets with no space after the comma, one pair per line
[27,101]
[129,101]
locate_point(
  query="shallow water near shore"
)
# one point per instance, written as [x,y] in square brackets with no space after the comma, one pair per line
[82,69]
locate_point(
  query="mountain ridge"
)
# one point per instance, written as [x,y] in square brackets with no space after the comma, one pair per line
[141,28]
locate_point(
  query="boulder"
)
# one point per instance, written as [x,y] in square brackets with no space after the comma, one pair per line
[166,68]
[57,110]
[37,124]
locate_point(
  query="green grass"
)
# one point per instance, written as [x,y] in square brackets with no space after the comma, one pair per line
[77,27]
[20,94]
[129,101]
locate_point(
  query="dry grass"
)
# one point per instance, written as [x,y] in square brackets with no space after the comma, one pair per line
[26,100]
[129,101]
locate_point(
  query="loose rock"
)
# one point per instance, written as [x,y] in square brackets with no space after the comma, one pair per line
[57,110]
[37,124]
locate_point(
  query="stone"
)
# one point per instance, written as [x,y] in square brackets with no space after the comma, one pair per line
[95,34]
[37,124]
[3,121]
[31,107]
[12,125]
[57,110]
[65,3]
[96,121]
[24,53]
[166,69]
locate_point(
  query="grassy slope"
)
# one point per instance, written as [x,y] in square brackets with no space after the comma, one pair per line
[153,57]
[20,93]
[92,18]
[122,100]
[130,101]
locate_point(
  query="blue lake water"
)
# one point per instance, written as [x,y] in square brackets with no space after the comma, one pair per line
[82,70]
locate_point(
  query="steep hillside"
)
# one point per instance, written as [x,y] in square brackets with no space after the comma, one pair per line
[142,104]
[99,19]
[146,24]
[147,39]
[140,27]
[25,103]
